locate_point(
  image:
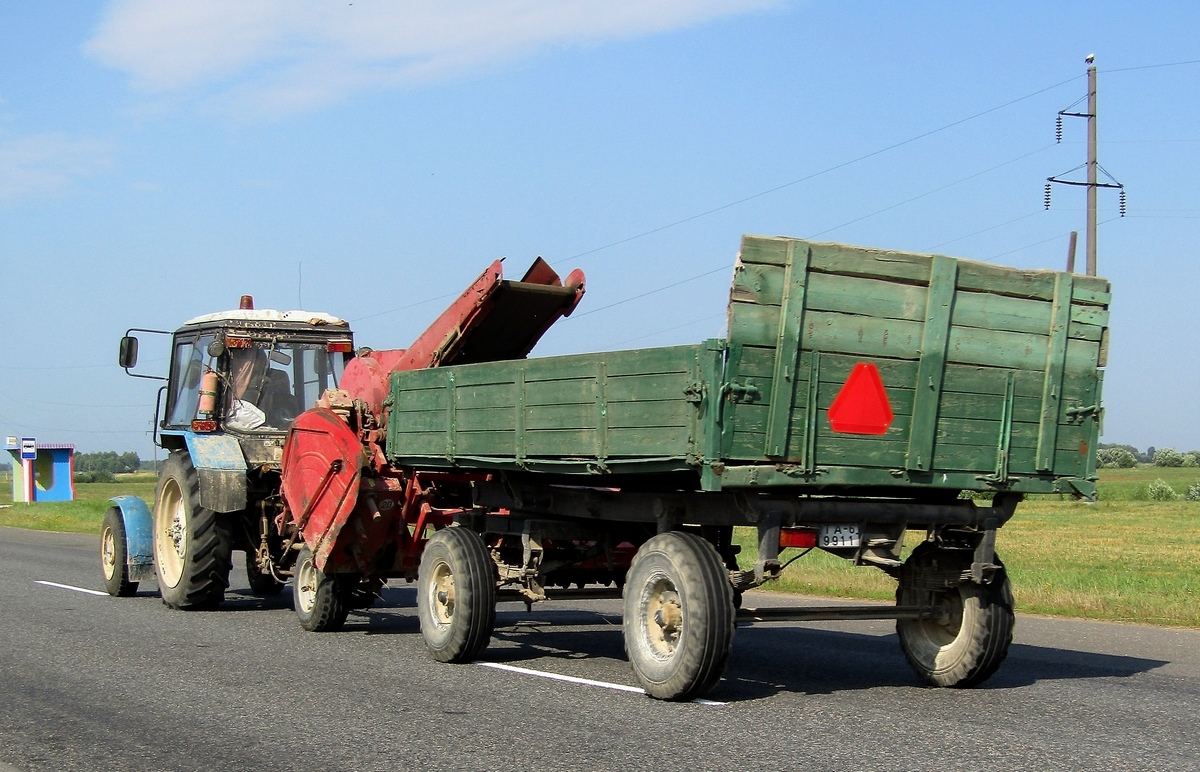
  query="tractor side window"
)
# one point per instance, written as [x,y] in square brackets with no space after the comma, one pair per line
[188,364]
[319,370]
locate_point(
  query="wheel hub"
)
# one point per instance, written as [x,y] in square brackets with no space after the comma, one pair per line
[108,553]
[443,594]
[170,534]
[177,533]
[664,618]
[306,585]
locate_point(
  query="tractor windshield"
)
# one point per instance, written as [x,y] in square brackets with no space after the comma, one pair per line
[270,384]
[261,387]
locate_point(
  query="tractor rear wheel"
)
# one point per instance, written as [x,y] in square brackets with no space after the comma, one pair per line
[114,555]
[192,545]
[456,595]
[679,616]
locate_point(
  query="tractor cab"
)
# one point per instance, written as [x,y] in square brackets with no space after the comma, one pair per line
[246,373]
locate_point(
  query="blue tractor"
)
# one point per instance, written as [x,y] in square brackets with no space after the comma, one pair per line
[236,380]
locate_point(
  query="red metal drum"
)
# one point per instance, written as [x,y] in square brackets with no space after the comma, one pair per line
[322,466]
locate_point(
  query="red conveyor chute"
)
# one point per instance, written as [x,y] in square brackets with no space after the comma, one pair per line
[324,458]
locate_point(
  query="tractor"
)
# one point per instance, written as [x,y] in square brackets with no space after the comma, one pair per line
[235,382]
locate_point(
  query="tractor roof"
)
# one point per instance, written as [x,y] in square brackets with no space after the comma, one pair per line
[313,318]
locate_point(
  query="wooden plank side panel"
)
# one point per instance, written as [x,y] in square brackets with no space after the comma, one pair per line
[635,404]
[830,332]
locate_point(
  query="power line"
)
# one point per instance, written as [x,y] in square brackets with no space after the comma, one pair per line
[1153,66]
[708,318]
[931,192]
[814,175]
[1045,241]
[673,285]
[985,230]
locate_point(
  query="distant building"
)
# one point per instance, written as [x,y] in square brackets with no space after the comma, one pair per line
[53,472]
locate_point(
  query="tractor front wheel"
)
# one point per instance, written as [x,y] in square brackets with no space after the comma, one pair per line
[262,585]
[114,555]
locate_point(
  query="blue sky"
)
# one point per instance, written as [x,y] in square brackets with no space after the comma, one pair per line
[159,159]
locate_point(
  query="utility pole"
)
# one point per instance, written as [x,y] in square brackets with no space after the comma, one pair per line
[1092,164]
[1093,183]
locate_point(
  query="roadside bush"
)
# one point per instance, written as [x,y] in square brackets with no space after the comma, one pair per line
[1160,490]
[1191,458]
[1116,458]
[95,477]
[1168,457]
[1193,493]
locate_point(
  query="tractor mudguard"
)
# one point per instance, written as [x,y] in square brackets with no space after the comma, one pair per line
[139,536]
[221,467]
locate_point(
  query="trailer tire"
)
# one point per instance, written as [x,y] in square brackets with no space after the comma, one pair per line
[262,585]
[192,545]
[318,597]
[456,595]
[114,555]
[678,616]
[966,646]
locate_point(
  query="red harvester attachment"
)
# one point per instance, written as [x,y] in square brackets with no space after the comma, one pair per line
[356,513]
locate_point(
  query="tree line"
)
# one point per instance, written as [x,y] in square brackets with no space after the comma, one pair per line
[105,466]
[1112,456]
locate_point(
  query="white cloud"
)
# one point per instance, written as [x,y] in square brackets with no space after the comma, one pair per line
[46,164]
[287,55]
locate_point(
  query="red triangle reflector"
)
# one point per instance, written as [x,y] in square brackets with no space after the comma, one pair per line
[862,406]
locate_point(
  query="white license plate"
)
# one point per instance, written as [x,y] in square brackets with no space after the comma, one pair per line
[834,536]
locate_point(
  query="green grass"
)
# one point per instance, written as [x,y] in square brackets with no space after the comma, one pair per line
[1122,561]
[83,515]
[1131,484]
[1124,558]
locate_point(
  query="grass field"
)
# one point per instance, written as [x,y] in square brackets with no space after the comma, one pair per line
[80,516]
[1125,558]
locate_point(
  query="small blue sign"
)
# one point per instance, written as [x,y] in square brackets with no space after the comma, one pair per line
[28,449]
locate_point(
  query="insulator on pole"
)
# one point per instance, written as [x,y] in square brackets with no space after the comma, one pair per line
[1047,195]
[1058,128]
[1122,197]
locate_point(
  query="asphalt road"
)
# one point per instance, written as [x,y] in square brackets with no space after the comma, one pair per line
[93,682]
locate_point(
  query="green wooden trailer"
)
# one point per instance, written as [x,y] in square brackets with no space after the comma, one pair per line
[857,393]
[991,374]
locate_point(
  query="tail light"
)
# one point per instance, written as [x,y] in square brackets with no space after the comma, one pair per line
[803,538]
[339,347]
[204,426]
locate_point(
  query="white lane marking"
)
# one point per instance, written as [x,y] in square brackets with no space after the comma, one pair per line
[577,680]
[69,587]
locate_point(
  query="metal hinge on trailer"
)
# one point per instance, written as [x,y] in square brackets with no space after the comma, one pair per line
[741,392]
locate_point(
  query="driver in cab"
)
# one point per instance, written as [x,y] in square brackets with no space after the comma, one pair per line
[260,395]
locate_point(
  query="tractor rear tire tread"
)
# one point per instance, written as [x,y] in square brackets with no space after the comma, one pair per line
[208,556]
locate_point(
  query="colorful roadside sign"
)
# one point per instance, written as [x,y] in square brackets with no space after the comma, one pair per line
[28,449]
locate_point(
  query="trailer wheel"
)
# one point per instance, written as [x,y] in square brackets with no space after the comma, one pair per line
[192,545]
[456,595]
[678,616]
[262,585]
[319,599]
[114,555]
[968,643]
